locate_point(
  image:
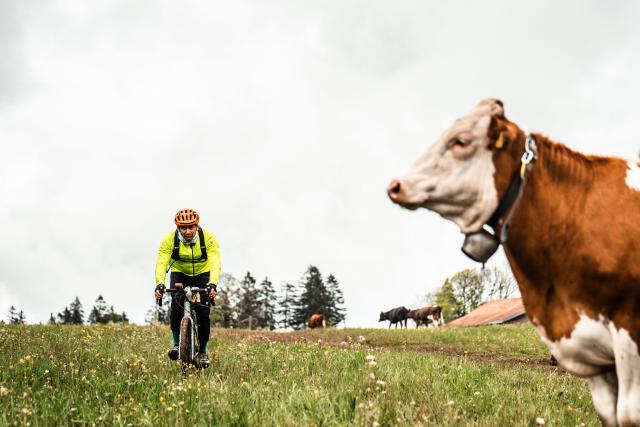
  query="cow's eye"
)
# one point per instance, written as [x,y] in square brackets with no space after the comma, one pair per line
[460,142]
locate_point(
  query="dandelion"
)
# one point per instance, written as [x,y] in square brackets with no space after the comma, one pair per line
[477,393]
[539,421]
[569,408]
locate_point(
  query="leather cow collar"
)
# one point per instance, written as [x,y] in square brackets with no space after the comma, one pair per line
[481,245]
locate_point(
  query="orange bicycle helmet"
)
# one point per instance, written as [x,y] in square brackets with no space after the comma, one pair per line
[187,217]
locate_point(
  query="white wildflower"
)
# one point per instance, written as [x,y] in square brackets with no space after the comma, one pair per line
[3,391]
[539,421]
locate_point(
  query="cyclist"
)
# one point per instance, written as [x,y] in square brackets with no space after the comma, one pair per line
[193,256]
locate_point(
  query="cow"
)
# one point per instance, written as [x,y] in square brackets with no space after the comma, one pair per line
[317,321]
[570,227]
[395,316]
[426,315]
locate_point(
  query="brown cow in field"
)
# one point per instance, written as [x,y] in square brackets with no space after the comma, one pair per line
[317,321]
[570,227]
[426,315]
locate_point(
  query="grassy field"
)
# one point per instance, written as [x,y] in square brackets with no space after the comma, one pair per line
[119,375]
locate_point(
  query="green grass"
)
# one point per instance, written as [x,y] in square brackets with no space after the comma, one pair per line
[515,341]
[119,375]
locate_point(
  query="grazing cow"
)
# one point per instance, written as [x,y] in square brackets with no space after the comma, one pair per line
[570,227]
[395,315]
[317,321]
[426,315]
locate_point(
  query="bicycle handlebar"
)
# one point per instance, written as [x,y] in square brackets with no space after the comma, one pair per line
[183,290]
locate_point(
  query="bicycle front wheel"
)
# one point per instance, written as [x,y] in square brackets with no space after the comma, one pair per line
[186,340]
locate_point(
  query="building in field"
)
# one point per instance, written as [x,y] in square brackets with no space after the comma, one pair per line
[499,312]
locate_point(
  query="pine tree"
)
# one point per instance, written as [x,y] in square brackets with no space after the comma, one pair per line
[77,313]
[65,316]
[21,318]
[224,314]
[13,315]
[286,305]
[114,317]
[267,300]
[248,307]
[52,320]
[314,297]
[336,312]
[99,311]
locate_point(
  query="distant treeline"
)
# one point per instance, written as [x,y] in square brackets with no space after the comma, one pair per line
[74,314]
[467,289]
[245,304]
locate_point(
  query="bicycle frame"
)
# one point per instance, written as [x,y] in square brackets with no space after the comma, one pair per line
[188,342]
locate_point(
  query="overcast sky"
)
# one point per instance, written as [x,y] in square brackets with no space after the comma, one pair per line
[281,123]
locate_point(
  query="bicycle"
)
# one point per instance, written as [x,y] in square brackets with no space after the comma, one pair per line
[188,332]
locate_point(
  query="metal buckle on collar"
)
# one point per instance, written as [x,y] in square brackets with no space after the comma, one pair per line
[529,155]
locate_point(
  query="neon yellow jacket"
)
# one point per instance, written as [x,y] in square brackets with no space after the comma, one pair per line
[212,264]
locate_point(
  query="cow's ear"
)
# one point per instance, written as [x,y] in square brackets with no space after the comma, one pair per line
[502,133]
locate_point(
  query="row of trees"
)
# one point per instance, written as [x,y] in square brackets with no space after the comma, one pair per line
[16,317]
[74,314]
[246,304]
[466,290]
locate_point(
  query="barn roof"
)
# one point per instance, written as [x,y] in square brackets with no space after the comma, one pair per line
[492,313]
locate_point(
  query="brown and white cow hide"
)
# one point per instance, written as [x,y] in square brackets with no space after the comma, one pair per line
[573,243]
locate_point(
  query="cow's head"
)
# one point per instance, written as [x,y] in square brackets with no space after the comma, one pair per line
[383,317]
[456,176]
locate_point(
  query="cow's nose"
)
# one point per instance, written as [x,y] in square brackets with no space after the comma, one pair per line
[395,191]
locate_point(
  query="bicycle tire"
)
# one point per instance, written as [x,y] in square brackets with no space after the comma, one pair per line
[186,341]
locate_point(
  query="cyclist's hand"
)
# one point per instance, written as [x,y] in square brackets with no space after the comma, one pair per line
[159,291]
[212,291]
[179,286]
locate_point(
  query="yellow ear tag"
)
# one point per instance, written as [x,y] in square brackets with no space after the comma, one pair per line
[500,142]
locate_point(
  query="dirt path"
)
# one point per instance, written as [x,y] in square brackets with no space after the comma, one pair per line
[346,341]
